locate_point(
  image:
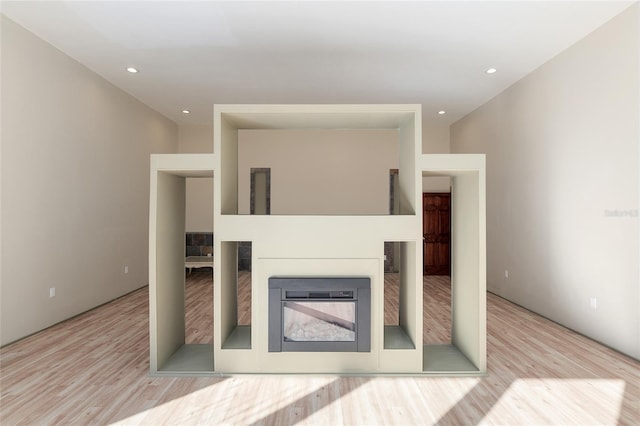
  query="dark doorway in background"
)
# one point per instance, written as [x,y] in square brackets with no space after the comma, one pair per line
[436,230]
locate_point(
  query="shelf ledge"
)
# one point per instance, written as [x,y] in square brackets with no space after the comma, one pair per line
[445,359]
[192,358]
[240,338]
[396,338]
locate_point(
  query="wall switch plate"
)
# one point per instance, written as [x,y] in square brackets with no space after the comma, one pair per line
[52,292]
[593,302]
[126,269]
[506,273]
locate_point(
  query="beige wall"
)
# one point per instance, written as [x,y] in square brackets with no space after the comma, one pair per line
[199,203]
[75,185]
[195,139]
[199,139]
[435,140]
[562,159]
[320,171]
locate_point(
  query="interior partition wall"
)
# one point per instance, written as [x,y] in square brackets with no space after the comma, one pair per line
[317,245]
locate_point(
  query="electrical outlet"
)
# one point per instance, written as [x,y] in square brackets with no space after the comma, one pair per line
[506,273]
[593,302]
[52,292]
[385,257]
[126,269]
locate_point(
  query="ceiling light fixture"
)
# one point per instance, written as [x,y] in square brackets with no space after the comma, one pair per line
[442,112]
[132,70]
[186,111]
[491,70]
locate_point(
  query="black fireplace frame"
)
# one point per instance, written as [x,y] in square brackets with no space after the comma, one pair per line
[320,289]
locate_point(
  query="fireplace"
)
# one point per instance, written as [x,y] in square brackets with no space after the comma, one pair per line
[319,314]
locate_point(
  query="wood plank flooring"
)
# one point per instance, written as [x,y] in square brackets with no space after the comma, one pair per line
[93,369]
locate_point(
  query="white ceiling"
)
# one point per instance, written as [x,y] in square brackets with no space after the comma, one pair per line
[194,54]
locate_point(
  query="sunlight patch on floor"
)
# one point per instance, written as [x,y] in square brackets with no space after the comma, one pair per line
[254,399]
[559,401]
[441,394]
[300,399]
[209,402]
[288,398]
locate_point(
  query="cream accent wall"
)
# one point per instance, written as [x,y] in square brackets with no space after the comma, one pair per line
[197,139]
[320,171]
[435,140]
[75,185]
[563,183]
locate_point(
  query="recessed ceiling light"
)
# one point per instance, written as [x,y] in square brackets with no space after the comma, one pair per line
[442,112]
[186,111]
[132,70]
[491,70]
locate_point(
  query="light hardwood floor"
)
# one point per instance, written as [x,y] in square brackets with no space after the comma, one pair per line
[93,369]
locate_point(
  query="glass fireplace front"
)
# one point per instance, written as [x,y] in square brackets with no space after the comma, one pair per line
[319,314]
[319,321]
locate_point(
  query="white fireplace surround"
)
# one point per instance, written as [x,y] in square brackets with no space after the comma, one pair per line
[294,245]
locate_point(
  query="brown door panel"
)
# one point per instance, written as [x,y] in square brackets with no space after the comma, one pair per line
[436,228]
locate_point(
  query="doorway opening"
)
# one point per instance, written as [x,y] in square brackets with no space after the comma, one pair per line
[436,230]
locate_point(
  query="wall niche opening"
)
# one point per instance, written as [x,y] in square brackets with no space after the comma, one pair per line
[181,329]
[199,260]
[454,340]
[399,295]
[235,294]
[336,172]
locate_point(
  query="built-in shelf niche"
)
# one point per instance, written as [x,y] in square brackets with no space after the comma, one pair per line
[467,351]
[233,334]
[169,354]
[240,122]
[329,174]
[400,331]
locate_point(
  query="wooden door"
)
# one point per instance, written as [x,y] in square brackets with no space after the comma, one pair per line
[436,230]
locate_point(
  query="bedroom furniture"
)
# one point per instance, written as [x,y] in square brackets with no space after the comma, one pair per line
[198,262]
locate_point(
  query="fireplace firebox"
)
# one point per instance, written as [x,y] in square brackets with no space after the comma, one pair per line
[319,314]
